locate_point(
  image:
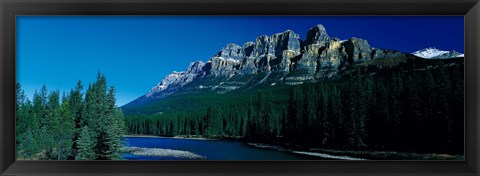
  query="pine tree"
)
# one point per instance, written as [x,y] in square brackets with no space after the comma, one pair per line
[63,130]
[77,109]
[268,119]
[429,102]
[455,138]
[39,106]
[86,144]
[308,115]
[396,108]
[251,122]
[28,145]
[50,129]
[379,133]
[295,116]
[325,110]
[336,111]
[284,123]
[115,128]
[261,118]
[21,117]
[300,131]
[362,92]
[244,125]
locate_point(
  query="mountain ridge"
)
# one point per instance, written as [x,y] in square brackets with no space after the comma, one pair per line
[282,58]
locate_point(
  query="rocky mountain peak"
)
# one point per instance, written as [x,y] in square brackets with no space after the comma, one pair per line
[231,51]
[172,78]
[248,48]
[288,32]
[262,46]
[357,49]
[287,40]
[317,35]
[195,67]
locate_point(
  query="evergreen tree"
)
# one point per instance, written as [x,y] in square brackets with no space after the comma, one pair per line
[292,114]
[63,130]
[77,109]
[86,144]
[28,145]
[309,114]
[21,117]
[251,122]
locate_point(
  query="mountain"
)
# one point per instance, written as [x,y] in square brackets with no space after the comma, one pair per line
[279,59]
[434,53]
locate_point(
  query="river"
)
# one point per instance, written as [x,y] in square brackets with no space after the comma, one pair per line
[195,149]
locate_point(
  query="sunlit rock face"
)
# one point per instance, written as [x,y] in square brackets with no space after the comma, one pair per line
[172,82]
[358,50]
[286,46]
[226,61]
[317,35]
[232,51]
[249,64]
[331,59]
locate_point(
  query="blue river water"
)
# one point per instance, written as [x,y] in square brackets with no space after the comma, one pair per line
[209,149]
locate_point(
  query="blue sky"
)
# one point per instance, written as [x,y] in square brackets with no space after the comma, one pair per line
[137,52]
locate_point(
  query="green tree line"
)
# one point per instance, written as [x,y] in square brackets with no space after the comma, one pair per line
[72,126]
[403,110]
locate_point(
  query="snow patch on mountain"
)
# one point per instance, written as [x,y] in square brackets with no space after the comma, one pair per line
[434,53]
[429,52]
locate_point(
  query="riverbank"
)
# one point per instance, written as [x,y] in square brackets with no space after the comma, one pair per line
[360,154]
[390,155]
[153,148]
[159,152]
[309,153]
[173,137]
[326,153]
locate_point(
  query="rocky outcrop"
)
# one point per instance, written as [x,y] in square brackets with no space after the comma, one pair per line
[358,50]
[324,57]
[232,51]
[167,86]
[195,69]
[226,61]
[172,82]
[315,56]
[317,35]
[332,59]
[286,45]
[249,64]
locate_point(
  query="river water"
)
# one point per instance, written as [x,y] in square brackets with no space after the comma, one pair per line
[208,149]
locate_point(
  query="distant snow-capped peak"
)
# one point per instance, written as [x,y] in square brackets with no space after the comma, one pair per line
[434,53]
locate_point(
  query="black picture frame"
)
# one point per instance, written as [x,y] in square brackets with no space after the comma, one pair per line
[11,8]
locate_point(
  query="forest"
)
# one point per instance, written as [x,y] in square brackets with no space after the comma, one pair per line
[70,126]
[412,110]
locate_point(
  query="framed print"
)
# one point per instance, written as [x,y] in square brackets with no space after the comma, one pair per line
[235,88]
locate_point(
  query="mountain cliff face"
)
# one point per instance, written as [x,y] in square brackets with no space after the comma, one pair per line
[281,58]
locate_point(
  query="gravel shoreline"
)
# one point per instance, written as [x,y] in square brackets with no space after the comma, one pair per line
[175,137]
[322,155]
[159,152]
